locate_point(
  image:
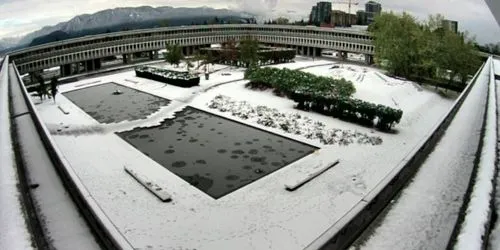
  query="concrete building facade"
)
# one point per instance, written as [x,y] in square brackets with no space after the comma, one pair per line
[85,53]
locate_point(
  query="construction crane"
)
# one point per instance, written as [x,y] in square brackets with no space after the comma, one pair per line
[348,2]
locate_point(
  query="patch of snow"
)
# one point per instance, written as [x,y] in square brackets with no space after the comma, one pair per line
[373,86]
[478,211]
[52,69]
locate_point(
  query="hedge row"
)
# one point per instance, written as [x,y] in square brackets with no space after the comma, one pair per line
[265,56]
[350,109]
[324,95]
[180,79]
[289,81]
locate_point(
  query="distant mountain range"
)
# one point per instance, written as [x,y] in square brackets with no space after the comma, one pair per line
[118,19]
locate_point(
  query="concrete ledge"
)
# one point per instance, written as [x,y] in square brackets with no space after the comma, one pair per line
[474,224]
[309,173]
[154,188]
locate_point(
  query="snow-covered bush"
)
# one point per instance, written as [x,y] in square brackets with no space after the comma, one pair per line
[292,123]
[177,78]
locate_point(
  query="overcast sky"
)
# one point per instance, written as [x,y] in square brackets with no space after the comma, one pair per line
[18,17]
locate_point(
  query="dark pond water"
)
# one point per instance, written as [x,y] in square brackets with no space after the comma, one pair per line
[214,154]
[100,103]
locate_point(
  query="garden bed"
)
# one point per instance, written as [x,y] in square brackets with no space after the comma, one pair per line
[177,78]
[292,123]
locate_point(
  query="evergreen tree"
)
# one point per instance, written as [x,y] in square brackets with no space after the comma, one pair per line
[249,48]
[174,54]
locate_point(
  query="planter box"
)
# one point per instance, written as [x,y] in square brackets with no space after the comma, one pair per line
[180,79]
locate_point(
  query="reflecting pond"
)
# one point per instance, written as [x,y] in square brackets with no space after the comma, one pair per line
[105,106]
[214,154]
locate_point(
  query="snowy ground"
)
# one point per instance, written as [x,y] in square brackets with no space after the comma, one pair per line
[260,215]
[373,86]
[435,195]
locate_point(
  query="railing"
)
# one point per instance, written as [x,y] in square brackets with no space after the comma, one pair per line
[473,231]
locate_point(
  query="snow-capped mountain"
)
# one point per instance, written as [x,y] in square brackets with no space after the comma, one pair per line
[118,16]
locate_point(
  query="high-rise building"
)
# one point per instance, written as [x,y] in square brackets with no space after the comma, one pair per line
[343,19]
[450,25]
[361,17]
[372,10]
[321,13]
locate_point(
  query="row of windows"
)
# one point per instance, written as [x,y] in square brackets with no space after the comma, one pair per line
[154,45]
[138,40]
[186,31]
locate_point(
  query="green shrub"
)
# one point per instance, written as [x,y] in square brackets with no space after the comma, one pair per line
[288,81]
[323,95]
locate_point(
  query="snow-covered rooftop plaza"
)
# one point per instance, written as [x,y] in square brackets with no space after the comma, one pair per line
[261,213]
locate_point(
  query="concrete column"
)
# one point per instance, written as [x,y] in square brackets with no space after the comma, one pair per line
[368,59]
[89,65]
[97,63]
[32,77]
[125,58]
[61,72]
[317,52]
[65,70]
